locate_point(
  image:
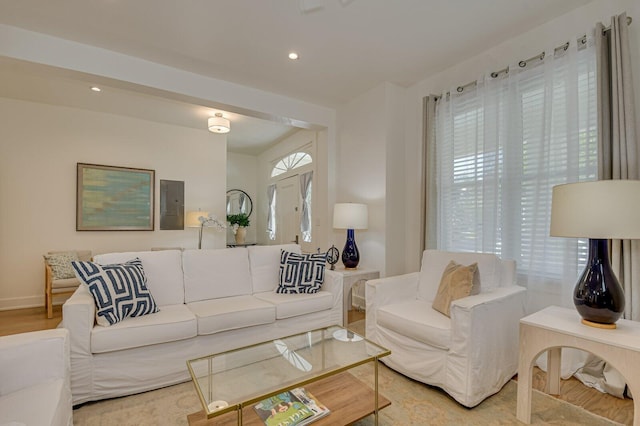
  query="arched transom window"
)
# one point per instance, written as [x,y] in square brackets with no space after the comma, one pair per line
[290,162]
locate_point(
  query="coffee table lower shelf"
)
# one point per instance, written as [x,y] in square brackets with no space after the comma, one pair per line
[348,398]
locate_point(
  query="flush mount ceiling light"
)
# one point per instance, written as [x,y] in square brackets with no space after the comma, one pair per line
[293,56]
[219,124]
[96,89]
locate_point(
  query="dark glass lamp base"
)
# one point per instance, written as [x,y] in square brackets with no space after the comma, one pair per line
[598,296]
[350,254]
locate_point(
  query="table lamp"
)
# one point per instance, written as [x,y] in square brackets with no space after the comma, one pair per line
[201,219]
[598,210]
[350,216]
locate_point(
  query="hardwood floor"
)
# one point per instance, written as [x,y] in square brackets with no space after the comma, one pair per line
[30,319]
[602,404]
[571,391]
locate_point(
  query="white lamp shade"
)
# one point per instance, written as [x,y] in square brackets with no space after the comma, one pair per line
[350,216]
[192,220]
[604,209]
[219,124]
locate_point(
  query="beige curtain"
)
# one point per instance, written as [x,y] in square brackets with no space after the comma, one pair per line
[618,152]
[428,201]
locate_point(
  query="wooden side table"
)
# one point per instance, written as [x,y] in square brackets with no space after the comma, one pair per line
[553,328]
[349,278]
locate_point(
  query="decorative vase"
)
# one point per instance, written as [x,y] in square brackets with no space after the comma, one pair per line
[241,233]
[350,254]
[598,296]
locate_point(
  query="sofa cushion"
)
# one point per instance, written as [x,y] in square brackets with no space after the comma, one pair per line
[215,273]
[417,320]
[265,265]
[41,404]
[162,268]
[457,281]
[293,305]
[301,273]
[119,290]
[171,323]
[434,262]
[230,313]
[60,264]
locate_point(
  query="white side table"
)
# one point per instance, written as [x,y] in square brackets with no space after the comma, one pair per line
[349,278]
[553,328]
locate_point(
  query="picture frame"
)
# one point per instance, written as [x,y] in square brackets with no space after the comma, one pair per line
[112,198]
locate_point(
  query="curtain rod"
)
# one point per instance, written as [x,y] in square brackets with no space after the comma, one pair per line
[522,64]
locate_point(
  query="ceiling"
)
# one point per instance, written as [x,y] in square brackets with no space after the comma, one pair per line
[346,47]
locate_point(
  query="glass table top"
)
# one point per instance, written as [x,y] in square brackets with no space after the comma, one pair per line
[234,379]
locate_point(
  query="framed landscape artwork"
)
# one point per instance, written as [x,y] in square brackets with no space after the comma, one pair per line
[114,198]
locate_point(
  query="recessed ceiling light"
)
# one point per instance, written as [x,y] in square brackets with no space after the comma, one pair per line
[96,89]
[293,55]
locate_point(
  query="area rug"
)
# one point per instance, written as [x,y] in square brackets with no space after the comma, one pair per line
[412,403]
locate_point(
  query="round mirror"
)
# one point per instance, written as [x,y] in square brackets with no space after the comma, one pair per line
[238,202]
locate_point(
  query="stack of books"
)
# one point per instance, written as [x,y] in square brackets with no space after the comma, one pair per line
[297,407]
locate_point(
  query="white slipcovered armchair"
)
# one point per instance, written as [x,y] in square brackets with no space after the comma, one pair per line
[470,355]
[35,388]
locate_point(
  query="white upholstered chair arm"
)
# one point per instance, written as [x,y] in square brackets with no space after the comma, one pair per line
[494,295]
[384,291]
[27,359]
[479,316]
[487,325]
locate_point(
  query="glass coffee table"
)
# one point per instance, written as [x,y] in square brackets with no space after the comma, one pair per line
[229,384]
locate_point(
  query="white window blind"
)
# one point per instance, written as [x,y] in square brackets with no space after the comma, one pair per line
[501,146]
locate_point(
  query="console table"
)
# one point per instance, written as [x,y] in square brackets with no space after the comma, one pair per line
[349,278]
[553,328]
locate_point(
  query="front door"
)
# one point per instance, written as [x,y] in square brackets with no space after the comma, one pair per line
[288,210]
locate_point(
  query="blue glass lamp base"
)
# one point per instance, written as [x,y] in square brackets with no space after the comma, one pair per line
[350,253]
[598,296]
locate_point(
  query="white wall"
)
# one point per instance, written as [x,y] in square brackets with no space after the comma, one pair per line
[552,33]
[39,148]
[242,173]
[395,192]
[20,284]
[370,170]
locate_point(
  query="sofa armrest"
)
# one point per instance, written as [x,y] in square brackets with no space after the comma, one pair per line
[333,283]
[385,291]
[27,359]
[78,316]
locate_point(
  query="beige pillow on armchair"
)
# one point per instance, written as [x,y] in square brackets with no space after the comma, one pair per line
[457,281]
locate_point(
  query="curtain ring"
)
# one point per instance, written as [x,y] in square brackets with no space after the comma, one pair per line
[493,74]
[460,89]
[522,64]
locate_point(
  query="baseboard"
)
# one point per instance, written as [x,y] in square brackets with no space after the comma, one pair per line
[23,302]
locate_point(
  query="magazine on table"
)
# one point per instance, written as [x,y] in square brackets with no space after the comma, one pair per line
[307,398]
[292,408]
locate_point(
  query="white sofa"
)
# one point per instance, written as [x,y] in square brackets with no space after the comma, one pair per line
[470,355]
[34,379]
[210,301]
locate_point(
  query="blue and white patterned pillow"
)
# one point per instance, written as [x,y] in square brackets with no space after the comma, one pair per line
[119,290]
[301,273]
